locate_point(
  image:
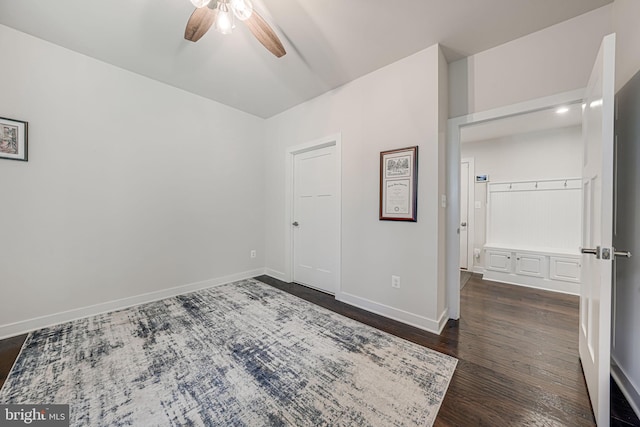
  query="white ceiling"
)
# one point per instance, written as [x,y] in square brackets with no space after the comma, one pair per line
[536,121]
[328,42]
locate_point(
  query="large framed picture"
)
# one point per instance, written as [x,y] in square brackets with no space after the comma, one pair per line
[13,139]
[399,184]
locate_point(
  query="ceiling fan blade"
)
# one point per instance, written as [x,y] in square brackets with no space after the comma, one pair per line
[199,23]
[265,35]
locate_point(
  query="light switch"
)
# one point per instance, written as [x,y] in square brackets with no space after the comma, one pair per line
[478,204]
[443,200]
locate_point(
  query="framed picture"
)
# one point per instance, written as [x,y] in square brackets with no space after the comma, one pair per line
[399,185]
[13,139]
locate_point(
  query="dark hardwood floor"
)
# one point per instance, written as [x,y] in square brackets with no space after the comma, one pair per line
[517,351]
[9,350]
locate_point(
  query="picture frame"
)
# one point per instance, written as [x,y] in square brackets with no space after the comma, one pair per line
[399,185]
[13,139]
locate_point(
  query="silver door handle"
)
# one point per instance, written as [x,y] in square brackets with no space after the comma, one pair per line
[295,224]
[605,252]
[595,251]
[464,224]
[625,254]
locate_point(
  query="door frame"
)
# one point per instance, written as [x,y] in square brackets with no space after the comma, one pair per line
[471,217]
[327,141]
[453,160]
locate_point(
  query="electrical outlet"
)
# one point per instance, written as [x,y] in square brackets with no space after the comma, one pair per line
[395,282]
[253,253]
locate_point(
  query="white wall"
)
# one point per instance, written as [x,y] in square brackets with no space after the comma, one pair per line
[397,106]
[547,154]
[625,24]
[553,60]
[131,187]
[443,114]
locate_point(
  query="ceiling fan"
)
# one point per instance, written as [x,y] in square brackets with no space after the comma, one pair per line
[220,14]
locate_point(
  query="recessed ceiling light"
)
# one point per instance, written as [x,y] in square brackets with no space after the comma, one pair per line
[562,110]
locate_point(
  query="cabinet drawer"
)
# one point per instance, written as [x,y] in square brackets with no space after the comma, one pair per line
[566,269]
[530,265]
[498,261]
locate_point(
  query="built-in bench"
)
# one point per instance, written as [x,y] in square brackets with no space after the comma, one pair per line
[542,268]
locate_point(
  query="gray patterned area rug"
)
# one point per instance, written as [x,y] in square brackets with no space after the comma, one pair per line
[241,354]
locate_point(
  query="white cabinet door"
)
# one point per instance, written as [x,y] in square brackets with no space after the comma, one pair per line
[530,265]
[498,261]
[565,269]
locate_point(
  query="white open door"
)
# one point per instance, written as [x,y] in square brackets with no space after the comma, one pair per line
[597,222]
[464,215]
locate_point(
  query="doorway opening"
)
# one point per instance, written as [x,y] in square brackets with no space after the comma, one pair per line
[477,124]
[596,220]
[526,202]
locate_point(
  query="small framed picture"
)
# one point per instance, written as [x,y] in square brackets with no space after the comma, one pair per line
[399,184]
[13,139]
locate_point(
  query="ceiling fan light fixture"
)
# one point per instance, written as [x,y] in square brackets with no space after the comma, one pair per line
[200,3]
[224,18]
[242,9]
[220,15]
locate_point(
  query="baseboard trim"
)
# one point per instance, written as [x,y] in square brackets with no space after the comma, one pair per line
[533,282]
[24,326]
[276,274]
[442,320]
[626,386]
[403,316]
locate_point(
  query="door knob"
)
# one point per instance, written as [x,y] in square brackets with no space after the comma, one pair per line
[295,224]
[606,253]
[595,251]
[625,254]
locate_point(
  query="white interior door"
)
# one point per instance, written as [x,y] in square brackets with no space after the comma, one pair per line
[315,224]
[597,222]
[464,215]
